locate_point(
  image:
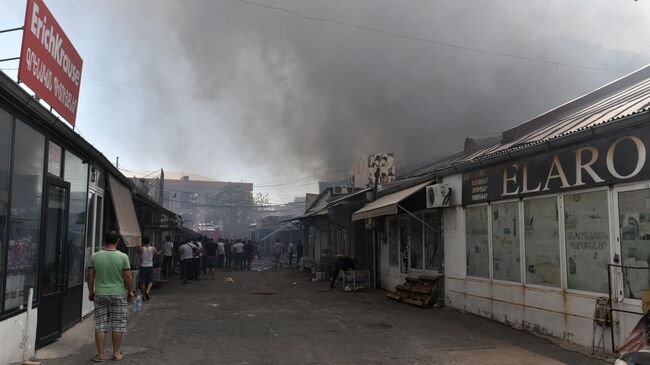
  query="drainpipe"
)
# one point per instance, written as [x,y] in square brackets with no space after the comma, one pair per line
[30,298]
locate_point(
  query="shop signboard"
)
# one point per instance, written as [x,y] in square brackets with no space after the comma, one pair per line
[49,63]
[615,158]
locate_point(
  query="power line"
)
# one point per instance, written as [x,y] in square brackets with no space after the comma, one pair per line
[203,96]
[300,179]
[218,114]
[425,40]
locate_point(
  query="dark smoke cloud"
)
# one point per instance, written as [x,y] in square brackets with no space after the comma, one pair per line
[346,93]
[243,91]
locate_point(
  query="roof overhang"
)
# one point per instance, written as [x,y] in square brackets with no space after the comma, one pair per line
[387,204]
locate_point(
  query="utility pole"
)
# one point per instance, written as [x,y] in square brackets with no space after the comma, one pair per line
[117,162]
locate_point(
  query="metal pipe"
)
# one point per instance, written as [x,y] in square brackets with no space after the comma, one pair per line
[416,217]
[9,59]
[30,298]
[10,30]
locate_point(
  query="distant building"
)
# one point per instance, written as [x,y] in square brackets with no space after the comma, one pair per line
[214,208]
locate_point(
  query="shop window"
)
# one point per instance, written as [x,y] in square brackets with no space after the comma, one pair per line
[24,225]
[586,225]
[415,245]
[432,244]
[76,173]
[5,154]
[541,234]
[477,242]
[393,242]
[506,263]
[634,221]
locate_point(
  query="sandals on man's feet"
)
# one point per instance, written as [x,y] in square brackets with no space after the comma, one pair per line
[96,358]
[122,357]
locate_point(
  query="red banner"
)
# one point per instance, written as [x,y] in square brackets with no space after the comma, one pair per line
[49,64]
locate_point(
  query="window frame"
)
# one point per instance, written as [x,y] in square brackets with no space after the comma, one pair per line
[617,249]
[611,240]
[520,241]
[560,209]
[489,229]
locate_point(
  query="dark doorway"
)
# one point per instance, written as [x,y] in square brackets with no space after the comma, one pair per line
[52,278]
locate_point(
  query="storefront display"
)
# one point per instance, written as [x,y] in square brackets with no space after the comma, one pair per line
[505,242]
[586,227]
[541,234]
[634,223]
[477,241]
[27,184]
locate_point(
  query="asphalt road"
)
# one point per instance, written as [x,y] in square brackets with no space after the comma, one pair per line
[263,318]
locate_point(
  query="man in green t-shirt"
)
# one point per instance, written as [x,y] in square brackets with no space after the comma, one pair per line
[110,286]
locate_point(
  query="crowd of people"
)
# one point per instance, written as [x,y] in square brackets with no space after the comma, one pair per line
[110,284]
[199,258]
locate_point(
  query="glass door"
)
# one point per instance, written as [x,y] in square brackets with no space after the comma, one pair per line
[52,278]
[404,245]
[94,233]
[632,250]
[634,233]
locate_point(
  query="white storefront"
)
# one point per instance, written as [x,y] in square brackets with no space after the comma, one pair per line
[537,218]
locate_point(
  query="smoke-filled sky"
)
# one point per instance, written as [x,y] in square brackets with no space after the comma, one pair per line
[283,93]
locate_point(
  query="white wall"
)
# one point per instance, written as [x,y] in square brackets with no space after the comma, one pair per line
[11,337]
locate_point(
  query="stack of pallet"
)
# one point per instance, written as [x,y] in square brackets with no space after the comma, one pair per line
[419,291]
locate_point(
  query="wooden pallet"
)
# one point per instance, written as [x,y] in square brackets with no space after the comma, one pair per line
[419,292]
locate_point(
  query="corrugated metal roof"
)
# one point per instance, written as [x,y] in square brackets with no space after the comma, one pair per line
[613,102]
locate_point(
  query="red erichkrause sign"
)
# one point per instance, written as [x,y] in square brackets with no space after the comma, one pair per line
[49,64]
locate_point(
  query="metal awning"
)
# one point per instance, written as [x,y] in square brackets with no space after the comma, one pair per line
[125,213]
[387,204]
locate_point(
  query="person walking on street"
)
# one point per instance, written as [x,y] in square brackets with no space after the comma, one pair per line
[249,253]
[258,253]
[168,253]
[221,252]
[228,249]
[194,274]
[210,259]
[110,286]
[186,254]
[299,251]
[290,253]
[277,251]
[238,253]
[200,262]
[145,275]
[341,263]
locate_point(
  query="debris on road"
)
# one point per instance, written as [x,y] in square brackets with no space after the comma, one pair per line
[419,292]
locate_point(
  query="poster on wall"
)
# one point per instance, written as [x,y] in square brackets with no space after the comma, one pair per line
[382,167]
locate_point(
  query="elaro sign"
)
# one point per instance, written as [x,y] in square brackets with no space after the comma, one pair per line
[616,158]
[49,64]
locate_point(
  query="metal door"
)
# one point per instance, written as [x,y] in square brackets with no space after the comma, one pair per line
[53,273]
